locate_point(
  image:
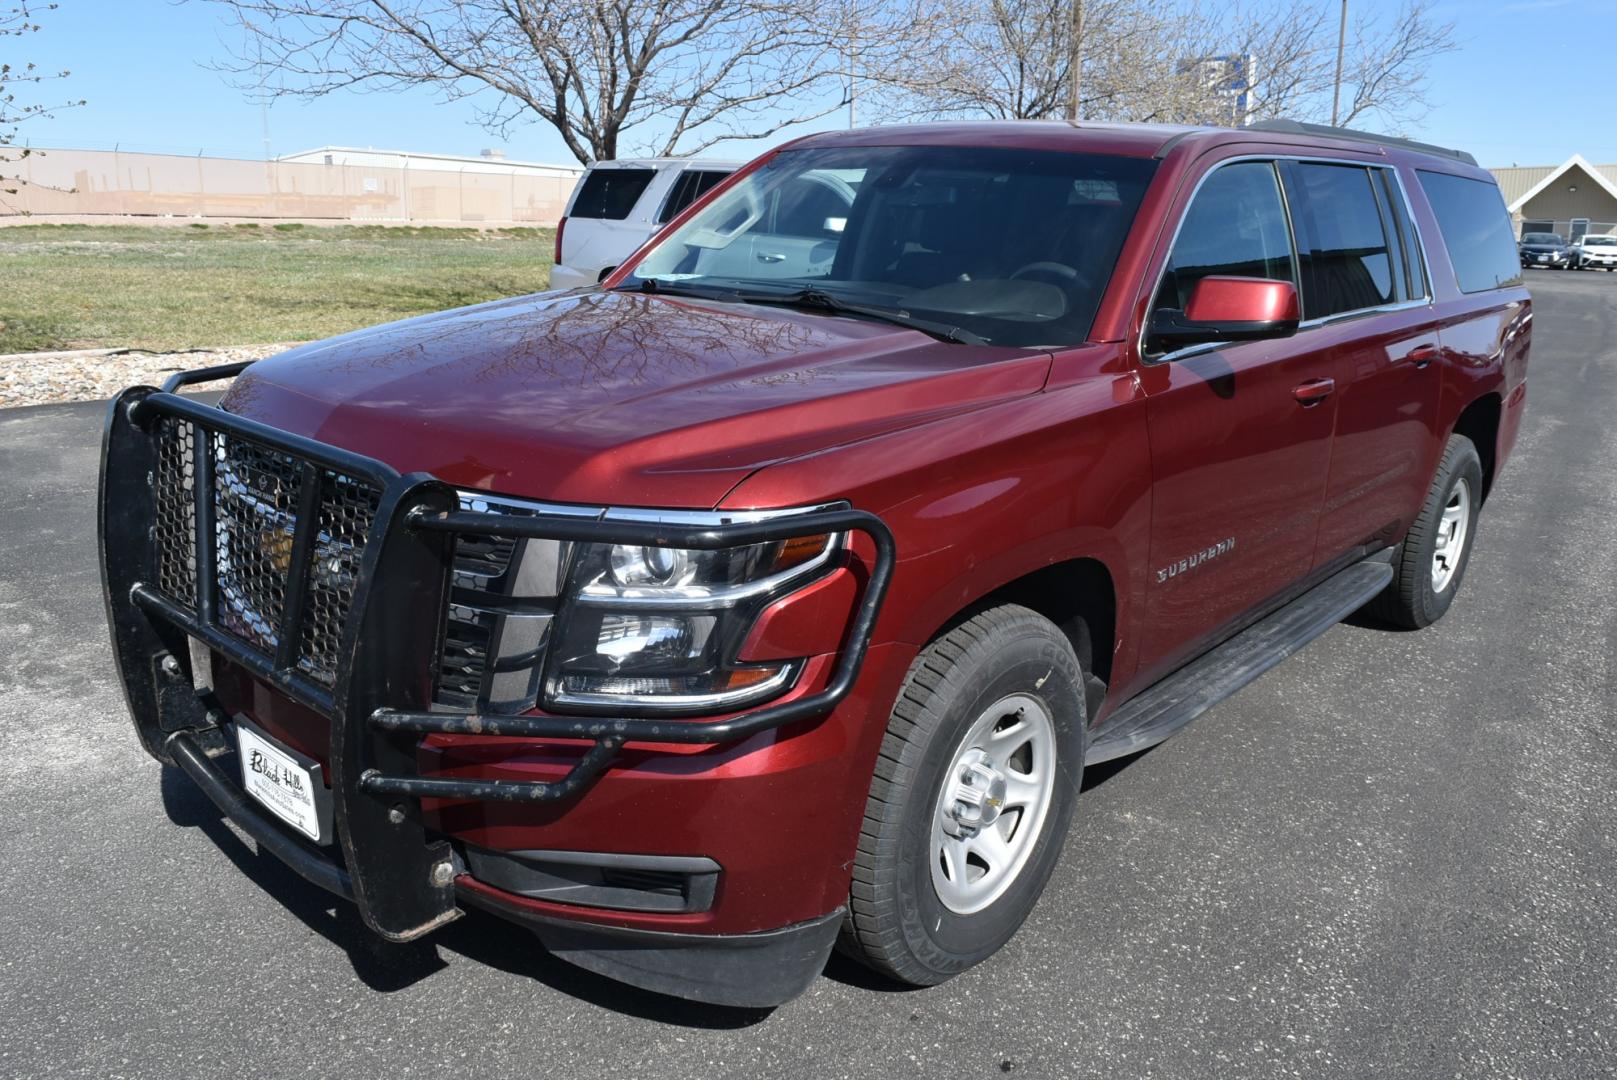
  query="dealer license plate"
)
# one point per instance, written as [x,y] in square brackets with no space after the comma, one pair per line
[287,783]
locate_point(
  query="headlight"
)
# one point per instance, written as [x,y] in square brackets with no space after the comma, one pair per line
[660,628]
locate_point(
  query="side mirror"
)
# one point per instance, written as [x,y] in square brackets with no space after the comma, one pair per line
[1228,309]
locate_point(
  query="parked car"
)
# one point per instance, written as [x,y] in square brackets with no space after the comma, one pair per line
[617,205]
[1548,251]
[1597,252]
[779,589]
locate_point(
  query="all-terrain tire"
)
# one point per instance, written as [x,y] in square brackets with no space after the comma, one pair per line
[897,923]
[1413,600]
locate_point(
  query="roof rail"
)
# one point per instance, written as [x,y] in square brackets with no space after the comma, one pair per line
[1295,127]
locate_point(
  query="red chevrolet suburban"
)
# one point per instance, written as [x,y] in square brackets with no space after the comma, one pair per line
[775,592]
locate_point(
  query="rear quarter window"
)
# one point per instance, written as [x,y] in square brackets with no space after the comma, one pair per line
[1471,216]
[691,185]
[610,193]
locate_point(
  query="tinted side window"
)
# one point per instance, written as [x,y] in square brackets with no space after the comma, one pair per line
[1236,226]
[1345,258]
[1414,268]
[610,193]
[1476,230]
[691,185]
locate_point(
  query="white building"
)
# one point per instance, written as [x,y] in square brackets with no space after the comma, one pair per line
[491,162]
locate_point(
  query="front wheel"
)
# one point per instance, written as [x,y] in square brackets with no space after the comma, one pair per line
[971,797]
[1429,565]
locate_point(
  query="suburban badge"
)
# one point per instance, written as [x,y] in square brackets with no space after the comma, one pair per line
[1173,570]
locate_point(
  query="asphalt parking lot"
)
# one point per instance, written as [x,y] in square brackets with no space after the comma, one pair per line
[1394,856]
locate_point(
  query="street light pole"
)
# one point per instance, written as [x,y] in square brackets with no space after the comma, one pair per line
[1341,45]
[1075,58]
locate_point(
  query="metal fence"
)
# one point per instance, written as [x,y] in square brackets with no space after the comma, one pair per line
[107,182]
[1566,230]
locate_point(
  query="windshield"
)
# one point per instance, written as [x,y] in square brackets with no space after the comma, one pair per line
[1541,238]
[1006,246]
[1600,241]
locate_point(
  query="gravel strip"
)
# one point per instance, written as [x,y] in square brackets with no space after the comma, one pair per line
[95,374]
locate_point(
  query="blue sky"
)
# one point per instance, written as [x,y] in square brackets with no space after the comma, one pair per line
[1512,93]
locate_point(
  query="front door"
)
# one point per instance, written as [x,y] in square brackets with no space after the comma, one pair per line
[1240,438]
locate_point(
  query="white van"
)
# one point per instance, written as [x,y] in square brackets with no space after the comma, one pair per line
[617,206]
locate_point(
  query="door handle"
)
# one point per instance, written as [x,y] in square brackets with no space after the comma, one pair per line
[1422,355]
[770,257]
[1313,391]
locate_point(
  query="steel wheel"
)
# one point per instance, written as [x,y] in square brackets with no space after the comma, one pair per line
[993,803]
[1452,529]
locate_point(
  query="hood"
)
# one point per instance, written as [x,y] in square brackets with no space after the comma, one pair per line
[629,399]
[1543,249]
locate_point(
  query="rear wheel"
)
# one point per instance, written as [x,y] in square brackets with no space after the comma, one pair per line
[971,797]
[1429,565]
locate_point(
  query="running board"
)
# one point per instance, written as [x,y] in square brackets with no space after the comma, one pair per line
[1166,706]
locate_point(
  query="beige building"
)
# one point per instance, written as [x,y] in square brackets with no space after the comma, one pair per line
[327,184]
[488,163]
[1575,198]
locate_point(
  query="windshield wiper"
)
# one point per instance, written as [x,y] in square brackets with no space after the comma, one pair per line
[820,300]
[678,288]
[812,300]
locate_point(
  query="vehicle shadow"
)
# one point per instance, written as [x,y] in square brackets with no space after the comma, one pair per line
[1364,620]
[1097,774]
[479,937]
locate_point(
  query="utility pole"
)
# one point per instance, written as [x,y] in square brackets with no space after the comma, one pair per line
[1341,45]
[853,50]
[1075,58]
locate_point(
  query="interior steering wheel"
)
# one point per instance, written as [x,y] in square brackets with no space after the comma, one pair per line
[1058,274]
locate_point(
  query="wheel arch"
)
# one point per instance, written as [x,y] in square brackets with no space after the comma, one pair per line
[1078,595]
[1479,421]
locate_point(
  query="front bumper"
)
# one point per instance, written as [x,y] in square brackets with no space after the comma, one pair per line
[397,863]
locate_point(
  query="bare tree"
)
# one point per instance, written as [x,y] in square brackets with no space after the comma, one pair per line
[611,76]
[1384,68]
[1196,61]
[15,23]
[1013,59]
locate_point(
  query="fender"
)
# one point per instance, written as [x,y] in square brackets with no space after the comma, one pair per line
[978,500]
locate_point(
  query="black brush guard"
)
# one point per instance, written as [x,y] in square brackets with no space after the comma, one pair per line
[400,876]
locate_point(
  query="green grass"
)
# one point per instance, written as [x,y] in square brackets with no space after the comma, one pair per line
[114,286]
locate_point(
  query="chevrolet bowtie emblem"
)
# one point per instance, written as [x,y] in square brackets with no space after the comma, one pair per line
[276,547]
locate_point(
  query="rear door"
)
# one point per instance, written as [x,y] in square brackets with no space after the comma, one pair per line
[1238,461]
[690,185]
[607,218]
[1366,301]
[799,228]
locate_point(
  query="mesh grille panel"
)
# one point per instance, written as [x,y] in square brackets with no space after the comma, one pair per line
[256,498]
[255,494]
[175,532]
[347,508]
